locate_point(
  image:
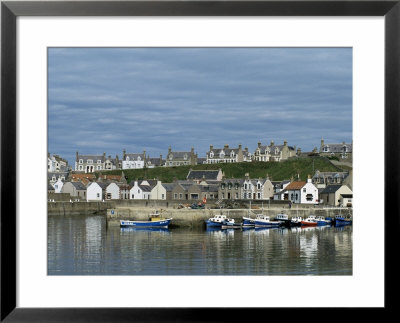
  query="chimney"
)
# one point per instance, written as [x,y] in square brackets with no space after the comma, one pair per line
[76,156]
[298,151]
[240,147]
[169,149]
[259,144]
[211,147]
[247,175]
[226,146]
[285,143]
[309,179]
[272,143]
[123,154]
[322,144]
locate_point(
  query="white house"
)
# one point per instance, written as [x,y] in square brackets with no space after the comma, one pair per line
[96,191]
[58,186]
[112,192]
[301,192]
[140,192]
[133,161]
[158,192]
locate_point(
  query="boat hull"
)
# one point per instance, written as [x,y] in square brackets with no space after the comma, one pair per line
[308,224]
[248,222]
[266,224]
[341,222]
[213,224]
[145,224]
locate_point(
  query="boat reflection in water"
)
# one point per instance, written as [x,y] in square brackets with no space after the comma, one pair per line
[144,229]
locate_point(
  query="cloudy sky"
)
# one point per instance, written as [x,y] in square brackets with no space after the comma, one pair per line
[110,99]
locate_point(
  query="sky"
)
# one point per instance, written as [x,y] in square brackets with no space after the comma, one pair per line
[110,99]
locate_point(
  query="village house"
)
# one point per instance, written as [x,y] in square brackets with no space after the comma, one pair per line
[133,161]
[74,189]
[179,158]
[323,179]
[227,155]
[96,191]
[58,185]
[117,191]
[53,177]
[300,192]
[56,164]
[158,192]
[168,190]
[112,163]
[249,189]
[89,163]
[274,152]
[154,162]
[279,187]
[343,151]
[139,192]
[336,195]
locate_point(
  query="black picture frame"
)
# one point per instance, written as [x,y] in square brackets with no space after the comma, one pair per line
[10,10]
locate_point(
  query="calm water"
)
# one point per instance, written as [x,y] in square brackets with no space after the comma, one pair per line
[81,245]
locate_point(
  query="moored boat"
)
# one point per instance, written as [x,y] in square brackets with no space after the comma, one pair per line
[247,221]
[283,219]
[264,221]
[155,220]
[321,221]
[340,220]
[296,221]
[309,222]
[218,220]
[231,225]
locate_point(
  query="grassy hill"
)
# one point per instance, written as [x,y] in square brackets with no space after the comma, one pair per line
[277,171]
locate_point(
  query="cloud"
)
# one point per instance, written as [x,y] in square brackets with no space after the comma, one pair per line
[107,99]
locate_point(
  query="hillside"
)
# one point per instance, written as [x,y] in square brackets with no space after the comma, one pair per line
[276,171]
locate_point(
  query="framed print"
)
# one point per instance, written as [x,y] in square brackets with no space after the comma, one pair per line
[68,68]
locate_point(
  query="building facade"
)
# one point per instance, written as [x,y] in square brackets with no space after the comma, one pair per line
[89,163]
[343,151]
[227,155]
[179,158]
[274,152]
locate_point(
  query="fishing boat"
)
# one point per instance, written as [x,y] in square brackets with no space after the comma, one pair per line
[155,220]
[309,222]
[264,221]
[218,220]
[340,220]
[248,221]
[283,219]
[321,221]
[296,221]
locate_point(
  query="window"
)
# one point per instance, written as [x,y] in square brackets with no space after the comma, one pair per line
[80,161]
[98,161]
[89,161]
[80,167]
[236,195]
[133,195]
[162,196]
[249,195]
[258,186]
[180,196]
[175,196]
[259,195]
[98,195]
[304,190]
[245,186]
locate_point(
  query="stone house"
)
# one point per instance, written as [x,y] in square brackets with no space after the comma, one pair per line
[227,155]
[112,163]
[178,158]
[168,190]
[154,162]
[323,179]
[75,189]
[274,152]
[247,188]
[89,163]
[230,189]
[343,151]
[53,177]
[331,195]
[180,192]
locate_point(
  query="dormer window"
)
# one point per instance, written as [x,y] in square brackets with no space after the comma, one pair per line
[98,161]
[90,161]
[232,153]
[139,159]
[211,154]
[170,157]
[185,157]
[326,149]
[221,155]
[80,161]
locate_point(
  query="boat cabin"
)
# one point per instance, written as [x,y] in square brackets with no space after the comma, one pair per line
[284,217]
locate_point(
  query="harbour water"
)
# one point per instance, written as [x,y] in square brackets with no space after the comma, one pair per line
[85,245]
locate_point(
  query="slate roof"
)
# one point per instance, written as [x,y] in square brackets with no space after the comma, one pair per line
[339,148]
[168,186]
[134,156]
[331,189]
[79,185]
[146,188]
[57,175]
[50,187]
[319,174]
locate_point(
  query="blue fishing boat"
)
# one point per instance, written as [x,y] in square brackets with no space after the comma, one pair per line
[340,220]
[283,219]
[264,221]
[218,220]
[248,222]
[155,220]
[321,221]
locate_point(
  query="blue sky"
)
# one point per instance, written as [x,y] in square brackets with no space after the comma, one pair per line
[110,99]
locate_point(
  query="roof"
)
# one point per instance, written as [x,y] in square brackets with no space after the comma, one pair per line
[146,188]
[319,174]
[134,156]
[295,185]
[200,174]
[331,188]
[168,186]
[78,185]
[50,187]
[339,148]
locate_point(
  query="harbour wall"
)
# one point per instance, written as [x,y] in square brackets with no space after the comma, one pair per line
[79,208]
[195,218]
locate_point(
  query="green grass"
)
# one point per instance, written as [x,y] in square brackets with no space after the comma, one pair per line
[298,167]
